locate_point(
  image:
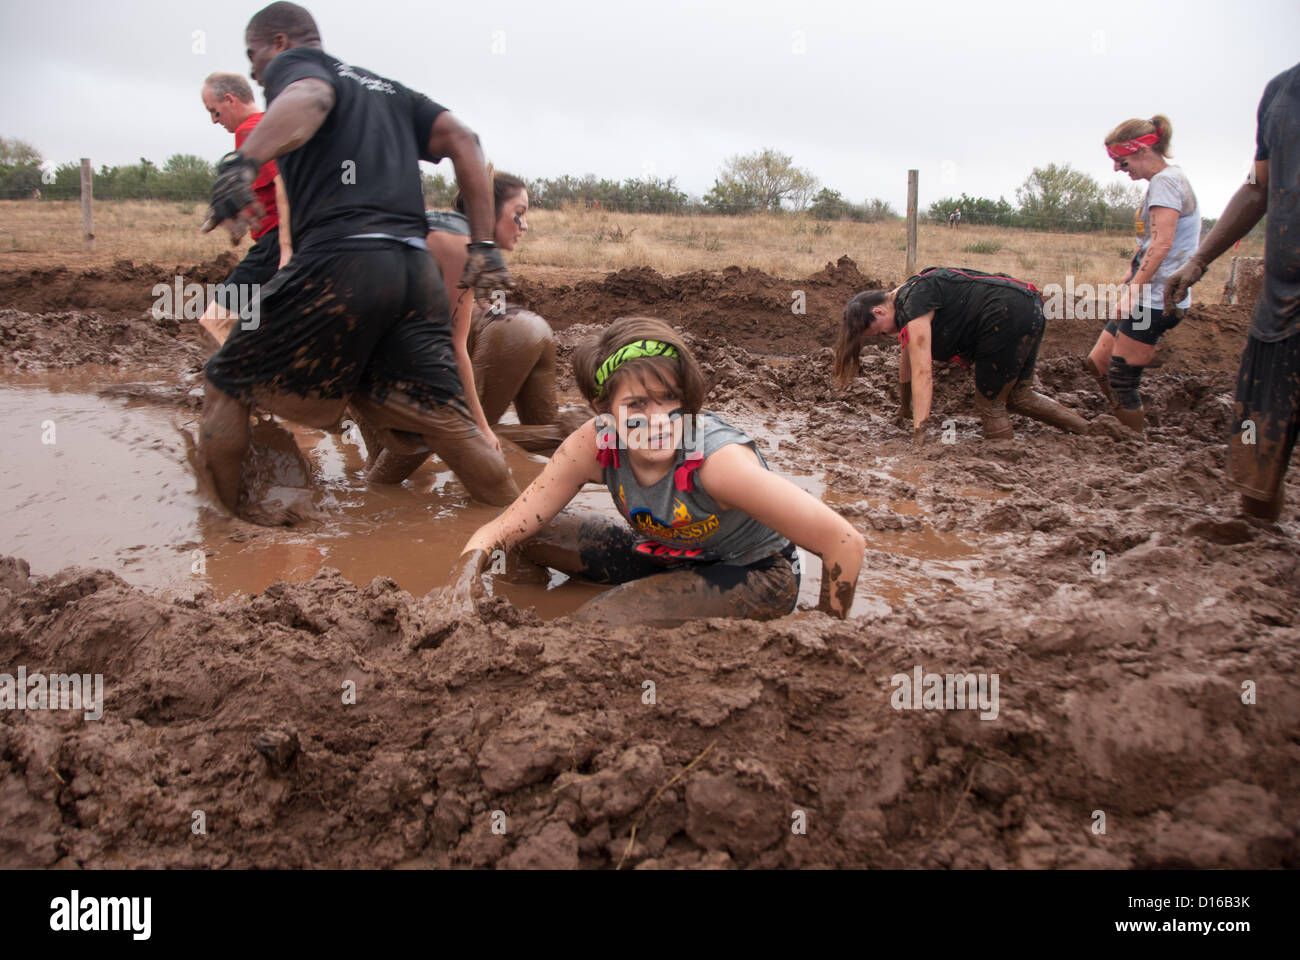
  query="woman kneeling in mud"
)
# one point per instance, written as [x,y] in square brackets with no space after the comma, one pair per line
[994,322]
[709,527]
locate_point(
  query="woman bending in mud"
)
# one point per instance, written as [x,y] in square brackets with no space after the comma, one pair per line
[1168,231]
[709,528]
[505,354]
[994,322]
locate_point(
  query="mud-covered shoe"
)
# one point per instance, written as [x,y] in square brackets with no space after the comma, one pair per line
[1135,420]
[993,414]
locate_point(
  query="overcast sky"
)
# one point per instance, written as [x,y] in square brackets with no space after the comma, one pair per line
[972,94]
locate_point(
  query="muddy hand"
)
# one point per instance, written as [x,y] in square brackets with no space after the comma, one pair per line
[234,204]
[1176,287]
[485,270]
[459,599]
[836,587]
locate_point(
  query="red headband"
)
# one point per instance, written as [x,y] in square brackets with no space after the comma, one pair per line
[1117,150]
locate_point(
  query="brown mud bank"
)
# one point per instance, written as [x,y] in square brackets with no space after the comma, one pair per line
[1143,639]
[236,712]
[746,306]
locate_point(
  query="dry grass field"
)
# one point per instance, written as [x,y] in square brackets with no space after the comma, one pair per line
[591,242]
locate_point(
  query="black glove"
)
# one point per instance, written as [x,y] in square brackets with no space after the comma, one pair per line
[232,192]
[485,270]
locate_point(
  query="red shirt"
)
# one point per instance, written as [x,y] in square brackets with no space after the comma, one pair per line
[264,185]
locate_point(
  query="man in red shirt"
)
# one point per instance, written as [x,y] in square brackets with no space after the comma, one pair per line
[229,101]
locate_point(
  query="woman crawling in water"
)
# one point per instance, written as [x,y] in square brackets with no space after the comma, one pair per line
[709,530]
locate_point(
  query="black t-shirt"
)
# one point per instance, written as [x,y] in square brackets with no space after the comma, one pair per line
[360,173]
[968,306]
[1277,140]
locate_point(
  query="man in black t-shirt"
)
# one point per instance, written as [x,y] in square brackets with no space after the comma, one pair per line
[1266,418]
[359,314]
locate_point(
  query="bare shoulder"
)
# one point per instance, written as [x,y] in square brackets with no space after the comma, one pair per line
[724,464]
[579,447]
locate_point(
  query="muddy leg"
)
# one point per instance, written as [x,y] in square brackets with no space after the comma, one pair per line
[1265,509]
[384,464]
[453,436]
[688,594]
[1098,375]
[1026,402]
[223,441]
[589,545]
[215,325]
[997,425]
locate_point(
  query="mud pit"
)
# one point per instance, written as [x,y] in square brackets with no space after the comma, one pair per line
[1120,688]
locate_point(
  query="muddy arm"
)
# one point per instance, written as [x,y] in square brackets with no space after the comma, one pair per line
[451,138]
[1164,221]
[282,212]
[736,480]
[918,356]
[572,466]
[449,252]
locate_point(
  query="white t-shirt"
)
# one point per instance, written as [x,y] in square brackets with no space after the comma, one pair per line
[1169,188]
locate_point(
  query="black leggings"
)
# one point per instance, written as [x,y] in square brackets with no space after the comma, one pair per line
[603,550]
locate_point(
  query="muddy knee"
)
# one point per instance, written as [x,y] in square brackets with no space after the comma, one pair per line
[391,467]
[1125,379]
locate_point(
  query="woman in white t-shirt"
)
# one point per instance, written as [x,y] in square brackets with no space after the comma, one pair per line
[1168,227]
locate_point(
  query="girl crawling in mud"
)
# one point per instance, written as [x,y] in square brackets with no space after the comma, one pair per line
[994,322]
[710,531]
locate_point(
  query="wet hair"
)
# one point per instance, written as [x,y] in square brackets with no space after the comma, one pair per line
[680,374]
[229,83]
[504,187]
[853,332]
[1132,129]
[287,18]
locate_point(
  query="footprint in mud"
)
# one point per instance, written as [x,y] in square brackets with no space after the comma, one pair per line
[276,477]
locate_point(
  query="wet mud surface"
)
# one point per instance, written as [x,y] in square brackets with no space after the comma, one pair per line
[320,710]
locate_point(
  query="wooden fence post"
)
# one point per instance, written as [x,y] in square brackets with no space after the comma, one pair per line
[911,222]
[87,196]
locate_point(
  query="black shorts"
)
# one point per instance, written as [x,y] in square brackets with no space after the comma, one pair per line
[1148,329]
[1011,354]
[362,316]
[261,261]
[1268,400]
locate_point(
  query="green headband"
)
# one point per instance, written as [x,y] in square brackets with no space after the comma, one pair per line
[632,351]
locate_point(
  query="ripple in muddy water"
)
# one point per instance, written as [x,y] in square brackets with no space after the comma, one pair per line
[99,481]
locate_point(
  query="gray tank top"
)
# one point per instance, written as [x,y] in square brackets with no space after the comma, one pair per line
[447,221]
[676,516]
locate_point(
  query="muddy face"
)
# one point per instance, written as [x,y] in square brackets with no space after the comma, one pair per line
[512,221]
[648,418]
